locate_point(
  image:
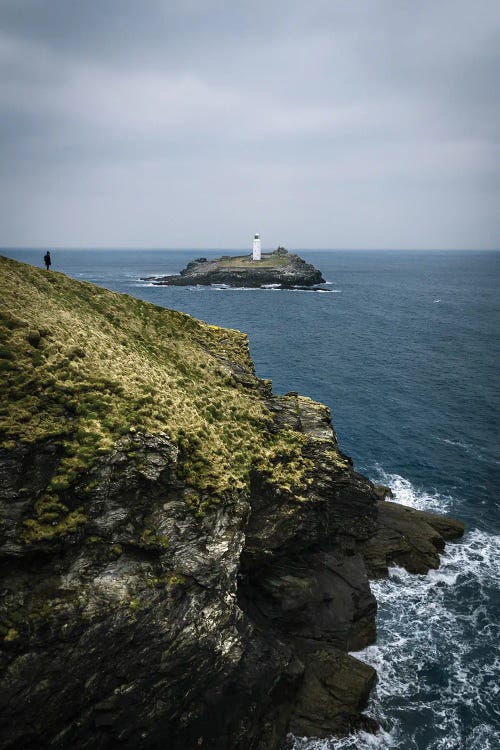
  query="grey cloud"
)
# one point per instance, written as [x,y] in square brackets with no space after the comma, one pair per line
[337,123]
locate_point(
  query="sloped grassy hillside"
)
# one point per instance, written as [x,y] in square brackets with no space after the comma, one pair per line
[83,366]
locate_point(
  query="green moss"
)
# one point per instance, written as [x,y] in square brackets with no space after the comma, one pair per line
[84,366]
[52,520]
[284,463]
[12,635]
[150,538]
[176,580]
[42,611]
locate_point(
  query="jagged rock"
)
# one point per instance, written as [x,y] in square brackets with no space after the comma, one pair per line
[334,690]
[408,537]
[142,608]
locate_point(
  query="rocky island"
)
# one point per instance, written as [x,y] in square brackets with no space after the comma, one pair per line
[280,269]
[185,556]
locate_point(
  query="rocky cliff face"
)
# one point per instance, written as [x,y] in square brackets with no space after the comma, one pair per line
[280,269]
[151,599]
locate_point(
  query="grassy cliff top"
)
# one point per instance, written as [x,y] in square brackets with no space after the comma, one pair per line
[82,366]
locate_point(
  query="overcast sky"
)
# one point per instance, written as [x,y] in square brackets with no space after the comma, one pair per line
[195,123]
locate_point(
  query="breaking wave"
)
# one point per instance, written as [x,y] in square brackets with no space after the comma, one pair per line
[438,685]
[438,674]
[356,741]
[406,493]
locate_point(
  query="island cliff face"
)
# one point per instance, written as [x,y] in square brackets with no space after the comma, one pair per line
[279,268]
[185,556]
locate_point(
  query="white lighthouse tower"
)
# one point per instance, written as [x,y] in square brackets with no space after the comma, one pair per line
[256,254]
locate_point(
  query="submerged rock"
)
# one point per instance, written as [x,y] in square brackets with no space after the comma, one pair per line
[279,269]
[157,591]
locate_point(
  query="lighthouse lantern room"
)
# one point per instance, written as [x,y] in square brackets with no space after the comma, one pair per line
[256,254]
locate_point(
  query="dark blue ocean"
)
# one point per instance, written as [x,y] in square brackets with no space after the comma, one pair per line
[403,346]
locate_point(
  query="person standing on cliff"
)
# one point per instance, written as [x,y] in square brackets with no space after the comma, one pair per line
[47,260]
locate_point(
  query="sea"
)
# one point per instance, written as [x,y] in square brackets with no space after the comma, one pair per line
[403,346]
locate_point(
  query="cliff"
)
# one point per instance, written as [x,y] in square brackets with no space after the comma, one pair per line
[279,268]
[184,555]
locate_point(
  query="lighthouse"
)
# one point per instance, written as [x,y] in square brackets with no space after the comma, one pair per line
[256,255]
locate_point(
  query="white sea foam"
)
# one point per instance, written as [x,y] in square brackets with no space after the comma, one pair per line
[225,288]
[269,288]
[264,288]
[483,737]
[435,651]
[406,493]
[356,741]
[331,283]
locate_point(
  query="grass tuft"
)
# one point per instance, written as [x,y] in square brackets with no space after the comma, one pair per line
[82,366]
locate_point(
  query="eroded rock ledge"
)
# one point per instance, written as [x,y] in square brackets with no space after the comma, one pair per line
[144,621]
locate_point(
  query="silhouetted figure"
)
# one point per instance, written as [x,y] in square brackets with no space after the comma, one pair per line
[47,260]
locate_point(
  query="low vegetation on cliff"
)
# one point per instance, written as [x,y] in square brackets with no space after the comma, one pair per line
[84,366]
[163,579]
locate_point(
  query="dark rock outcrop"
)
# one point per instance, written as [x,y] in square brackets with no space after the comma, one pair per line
[407,537]
[134,616]
[234,633]
[280,269]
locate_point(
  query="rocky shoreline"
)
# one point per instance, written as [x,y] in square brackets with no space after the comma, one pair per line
[280,269]
[143,610]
